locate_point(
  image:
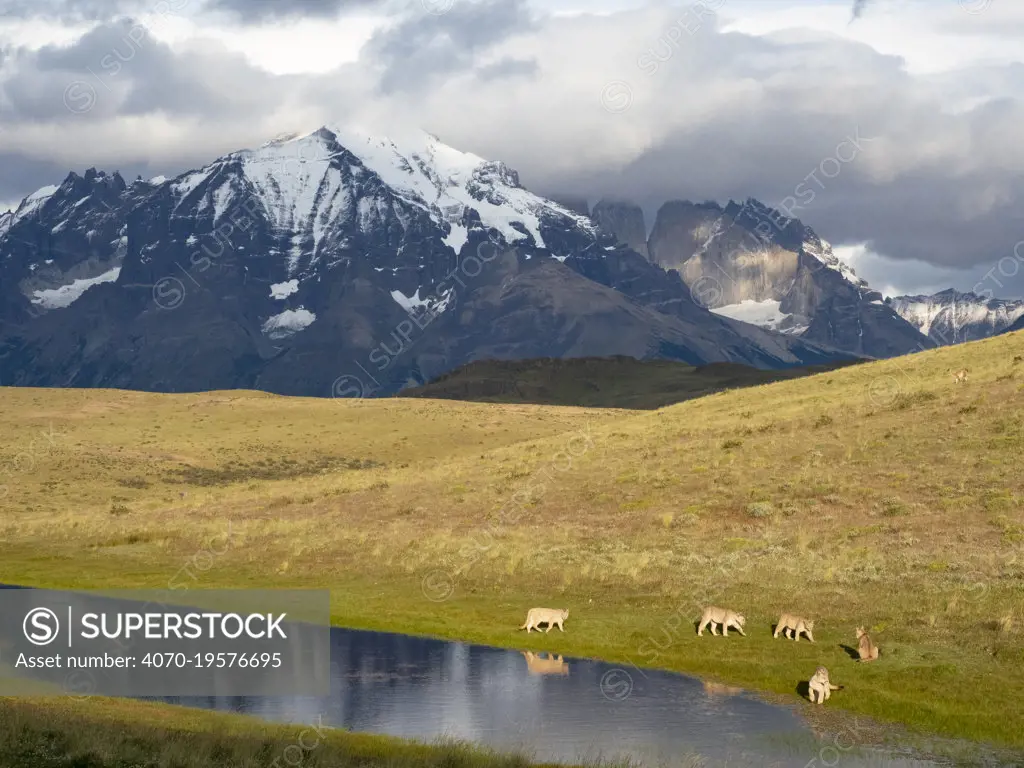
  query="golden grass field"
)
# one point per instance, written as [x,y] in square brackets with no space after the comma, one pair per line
[880,494]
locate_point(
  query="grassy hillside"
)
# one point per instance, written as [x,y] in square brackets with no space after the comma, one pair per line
[598,382]
[880,494]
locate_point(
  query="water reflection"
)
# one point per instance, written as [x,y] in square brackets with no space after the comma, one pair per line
[425,689]
[538,665]
[718,689]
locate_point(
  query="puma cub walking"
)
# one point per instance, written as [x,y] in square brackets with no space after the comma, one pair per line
[960,377]
[819,684]
[550,616]
[866,649]
[723,616]
[795,625]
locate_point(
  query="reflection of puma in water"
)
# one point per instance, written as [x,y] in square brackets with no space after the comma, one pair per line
[538,665]
[718,689]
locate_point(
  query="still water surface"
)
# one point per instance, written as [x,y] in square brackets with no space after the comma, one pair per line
[553,711]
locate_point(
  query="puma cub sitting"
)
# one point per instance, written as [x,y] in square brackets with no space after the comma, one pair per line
[819,685]
[866,649]
[796,625]
[723,616]
[550,616]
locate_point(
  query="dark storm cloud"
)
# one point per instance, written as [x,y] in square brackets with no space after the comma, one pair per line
[62,10]
[71,11]
[244,11]
[119,69]
[425,46]
[259,11]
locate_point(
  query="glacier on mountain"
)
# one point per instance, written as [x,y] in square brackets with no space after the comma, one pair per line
[766,314]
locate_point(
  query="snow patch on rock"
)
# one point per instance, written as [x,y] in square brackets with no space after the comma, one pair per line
[289,322]
[281,291]
[66,295]
[765,314]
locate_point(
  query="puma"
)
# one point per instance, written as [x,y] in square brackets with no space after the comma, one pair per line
[796,625]
[550,616]
[820,687]
[866,649]
[713,615]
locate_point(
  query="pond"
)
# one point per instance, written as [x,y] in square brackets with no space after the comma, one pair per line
[551,708]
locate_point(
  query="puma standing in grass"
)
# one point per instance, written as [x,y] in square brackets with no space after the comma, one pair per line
[713,615]
[795,625]
[550,616]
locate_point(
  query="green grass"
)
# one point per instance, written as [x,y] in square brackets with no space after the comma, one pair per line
[903,510]
[105,733]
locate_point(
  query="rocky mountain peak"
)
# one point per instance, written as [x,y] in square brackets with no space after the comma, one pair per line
[625,220]
[752,263]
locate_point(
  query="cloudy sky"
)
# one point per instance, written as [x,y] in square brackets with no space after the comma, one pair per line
[891,126]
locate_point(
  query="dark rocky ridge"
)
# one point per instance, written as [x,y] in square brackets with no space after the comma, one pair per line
[607,382]
[625,221]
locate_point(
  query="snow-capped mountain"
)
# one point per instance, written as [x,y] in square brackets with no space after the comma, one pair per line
[335,257]
[951,317]
[751,263]
[314,187]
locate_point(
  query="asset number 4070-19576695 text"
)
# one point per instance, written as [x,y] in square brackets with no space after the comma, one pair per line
[212,660]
